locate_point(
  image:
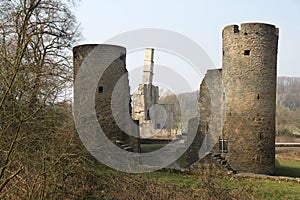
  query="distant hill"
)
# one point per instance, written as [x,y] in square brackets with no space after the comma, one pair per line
[288,92]
[288,106]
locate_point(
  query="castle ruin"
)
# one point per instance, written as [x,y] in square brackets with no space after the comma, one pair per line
[236,103]
[247,99]
[155,120]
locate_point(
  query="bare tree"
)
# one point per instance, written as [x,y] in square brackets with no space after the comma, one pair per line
[36,129]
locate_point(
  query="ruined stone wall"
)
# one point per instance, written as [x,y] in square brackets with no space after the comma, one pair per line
[164,116]
[146,96]
[111,103]
[209,125]
[169,108]
[138,99]
[194,139]
[155,120]
[249,75]
[211,111]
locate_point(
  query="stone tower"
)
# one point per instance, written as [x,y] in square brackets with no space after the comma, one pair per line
[112,98]
[147,94]
[148,66]
[249,77]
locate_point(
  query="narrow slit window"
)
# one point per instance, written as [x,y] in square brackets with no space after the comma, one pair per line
[100,89]
[148,115]
[247,52]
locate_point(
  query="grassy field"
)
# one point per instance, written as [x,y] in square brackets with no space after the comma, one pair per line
[206,184]
[287,168]
[254,188]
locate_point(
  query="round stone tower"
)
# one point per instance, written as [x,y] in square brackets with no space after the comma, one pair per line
[112,96]
[249,77]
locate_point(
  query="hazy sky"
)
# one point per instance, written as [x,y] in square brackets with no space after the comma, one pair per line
[201,21]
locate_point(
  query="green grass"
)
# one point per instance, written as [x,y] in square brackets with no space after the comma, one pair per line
[287,168]
[258,188]
[277,190]
[174,178]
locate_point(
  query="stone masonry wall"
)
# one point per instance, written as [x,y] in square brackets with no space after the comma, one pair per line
[111,102]
[249,75]
[146,96]
[211,109]
[210,121]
